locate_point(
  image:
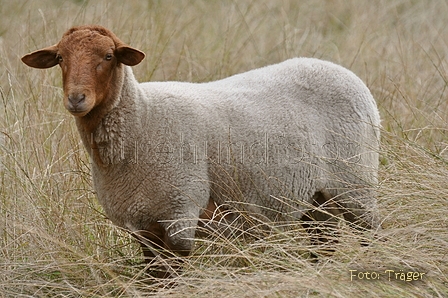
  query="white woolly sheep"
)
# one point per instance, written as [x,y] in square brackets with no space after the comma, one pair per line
[271,142]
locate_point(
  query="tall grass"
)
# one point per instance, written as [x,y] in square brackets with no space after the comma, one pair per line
[55,239]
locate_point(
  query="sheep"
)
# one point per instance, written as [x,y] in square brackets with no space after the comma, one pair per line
[290,141]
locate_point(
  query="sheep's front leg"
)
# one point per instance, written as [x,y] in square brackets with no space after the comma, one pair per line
[164,244]
[154,249]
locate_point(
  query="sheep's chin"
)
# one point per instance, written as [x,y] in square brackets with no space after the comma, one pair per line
[79,113]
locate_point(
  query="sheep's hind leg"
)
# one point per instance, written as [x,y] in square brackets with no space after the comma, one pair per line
[321,223]
[360,211]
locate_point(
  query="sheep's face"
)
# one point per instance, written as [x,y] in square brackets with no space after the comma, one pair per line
[91,59]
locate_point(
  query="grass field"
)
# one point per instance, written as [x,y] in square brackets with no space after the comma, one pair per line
[55,240]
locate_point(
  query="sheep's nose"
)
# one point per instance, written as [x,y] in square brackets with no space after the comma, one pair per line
[76,99]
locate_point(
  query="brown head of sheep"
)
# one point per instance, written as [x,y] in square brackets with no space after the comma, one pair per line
[90,58]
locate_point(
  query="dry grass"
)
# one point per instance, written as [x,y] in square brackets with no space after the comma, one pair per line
[55,240]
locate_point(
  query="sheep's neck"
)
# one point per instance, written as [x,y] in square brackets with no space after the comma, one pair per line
[86,127]
[88,124]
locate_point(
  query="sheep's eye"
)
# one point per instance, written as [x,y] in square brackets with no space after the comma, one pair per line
[59,57]
[108,57]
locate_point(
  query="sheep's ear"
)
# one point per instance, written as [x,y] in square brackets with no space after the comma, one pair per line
[128,55]
[44,58]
